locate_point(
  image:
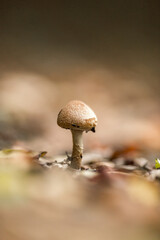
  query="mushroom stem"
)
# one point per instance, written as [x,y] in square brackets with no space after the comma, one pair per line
[77,151]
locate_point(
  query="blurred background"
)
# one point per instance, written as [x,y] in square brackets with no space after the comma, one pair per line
[105,53]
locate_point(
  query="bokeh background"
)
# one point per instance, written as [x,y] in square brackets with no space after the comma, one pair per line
[105,53]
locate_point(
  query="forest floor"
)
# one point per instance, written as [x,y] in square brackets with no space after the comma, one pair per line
[116,195]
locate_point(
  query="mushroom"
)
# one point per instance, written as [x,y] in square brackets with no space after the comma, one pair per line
[78,117]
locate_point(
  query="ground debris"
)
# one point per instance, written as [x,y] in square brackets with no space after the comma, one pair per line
[110,190]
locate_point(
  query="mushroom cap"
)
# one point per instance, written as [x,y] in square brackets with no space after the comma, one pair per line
[77,115]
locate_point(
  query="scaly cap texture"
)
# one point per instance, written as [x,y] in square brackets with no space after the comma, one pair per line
[77,115]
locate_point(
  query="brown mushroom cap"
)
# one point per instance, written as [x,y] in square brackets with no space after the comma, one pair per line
[77,115]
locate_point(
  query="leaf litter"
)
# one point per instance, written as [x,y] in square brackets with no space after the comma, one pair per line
[116,188]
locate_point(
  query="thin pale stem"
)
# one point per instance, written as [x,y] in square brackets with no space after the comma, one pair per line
[77,151]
